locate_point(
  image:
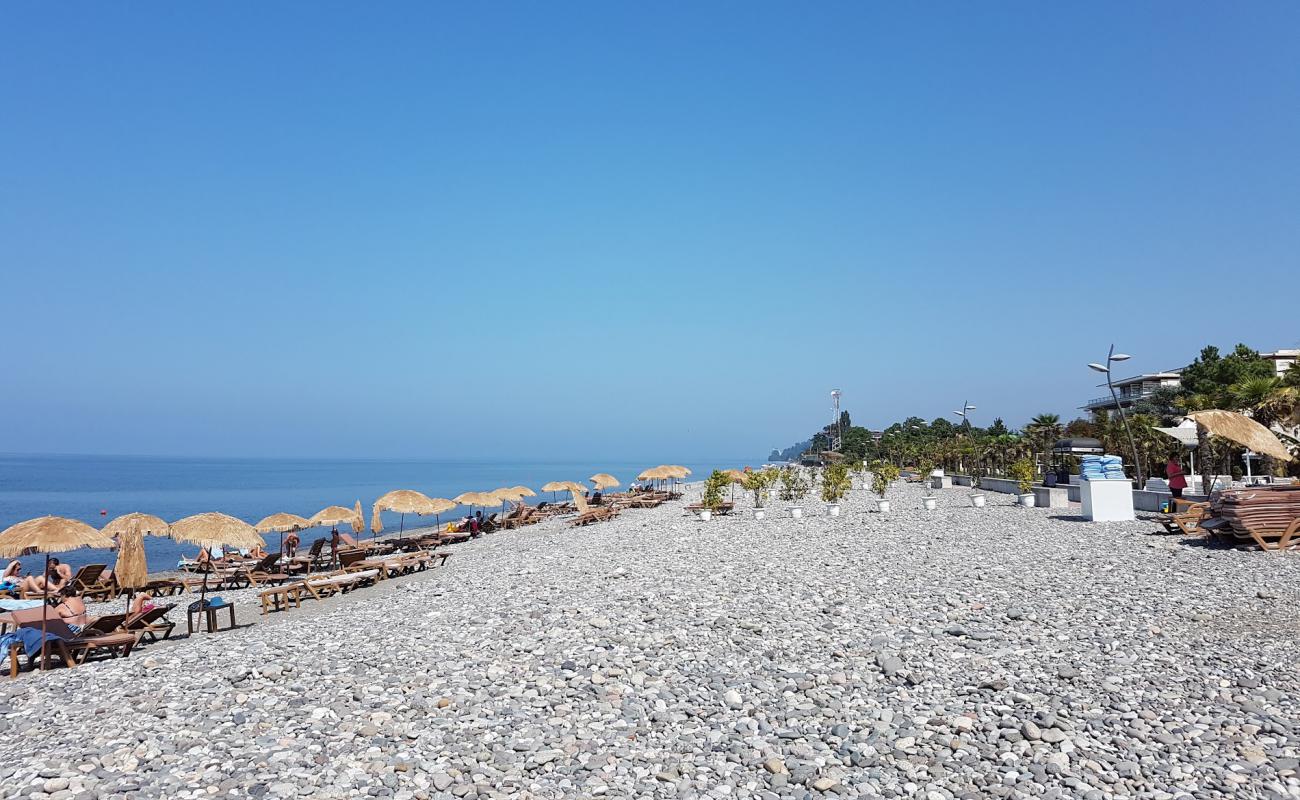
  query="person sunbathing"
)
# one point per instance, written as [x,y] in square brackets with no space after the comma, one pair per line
[12,577]
[257,552]
[142,603]
[73,611]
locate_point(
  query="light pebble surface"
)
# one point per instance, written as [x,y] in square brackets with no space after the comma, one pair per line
[995,652]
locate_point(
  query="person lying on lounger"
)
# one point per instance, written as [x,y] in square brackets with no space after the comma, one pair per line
[12,577]
[143,602]
[73,610]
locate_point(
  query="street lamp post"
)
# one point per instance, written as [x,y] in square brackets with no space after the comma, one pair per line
[966,408]
[1112,356]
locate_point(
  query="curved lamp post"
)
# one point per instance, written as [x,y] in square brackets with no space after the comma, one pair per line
[966,408]
[1110,357]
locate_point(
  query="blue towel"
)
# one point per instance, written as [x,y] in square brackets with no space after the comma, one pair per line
[211,602]
[29,638]
[17,605]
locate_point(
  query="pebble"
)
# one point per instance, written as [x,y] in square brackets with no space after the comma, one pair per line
[962,653]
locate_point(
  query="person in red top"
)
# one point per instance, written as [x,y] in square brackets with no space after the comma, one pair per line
[1177,480]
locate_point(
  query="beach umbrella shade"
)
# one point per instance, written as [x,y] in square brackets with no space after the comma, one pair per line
[332,516]
[49,535]
[213,529]
[281,523]
[131,571]
[475,499]
[406,501]
[603,480]
[1243,430]
[555,486]
[358,518]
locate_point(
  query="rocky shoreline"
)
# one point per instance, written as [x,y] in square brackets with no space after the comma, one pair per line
[962,652]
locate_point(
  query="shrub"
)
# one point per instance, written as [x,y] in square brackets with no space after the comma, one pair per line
[714,486]
[758,483]
[1023,472]
[883,474]
[835,482]
[793,484]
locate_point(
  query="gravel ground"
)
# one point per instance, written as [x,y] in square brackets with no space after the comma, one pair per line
[995,652]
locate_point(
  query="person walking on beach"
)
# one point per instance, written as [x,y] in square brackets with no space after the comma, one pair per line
[1177,480]
[336,539]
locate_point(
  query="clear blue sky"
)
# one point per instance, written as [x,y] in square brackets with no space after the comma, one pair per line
[572,229]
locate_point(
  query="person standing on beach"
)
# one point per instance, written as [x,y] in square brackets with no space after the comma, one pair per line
[1177,480]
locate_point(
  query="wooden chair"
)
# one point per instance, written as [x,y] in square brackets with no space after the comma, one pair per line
[150,623]
[76,644]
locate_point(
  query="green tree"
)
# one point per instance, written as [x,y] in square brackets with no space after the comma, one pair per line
[998,428]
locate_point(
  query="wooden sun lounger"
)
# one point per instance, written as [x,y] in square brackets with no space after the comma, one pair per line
[150,623]
[333,583]
[1274,540]
[113,643]
[1187,521]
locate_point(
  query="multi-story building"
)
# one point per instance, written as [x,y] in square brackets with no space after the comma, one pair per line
[1282,360]
[1131,390]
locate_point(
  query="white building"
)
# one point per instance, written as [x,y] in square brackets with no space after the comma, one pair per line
[1131,390]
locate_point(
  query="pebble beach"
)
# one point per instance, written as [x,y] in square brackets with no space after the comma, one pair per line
[954,653]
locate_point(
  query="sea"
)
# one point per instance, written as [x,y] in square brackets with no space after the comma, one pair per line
[97,488]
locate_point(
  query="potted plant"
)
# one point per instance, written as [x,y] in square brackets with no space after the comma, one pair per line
[714,486]
[835,483]
[977,497]
[794,487]
[1023,473]
[927,468]
[758,483]
[883,473]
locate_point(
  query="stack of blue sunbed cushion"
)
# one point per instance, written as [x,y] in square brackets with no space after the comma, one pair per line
[1102,468]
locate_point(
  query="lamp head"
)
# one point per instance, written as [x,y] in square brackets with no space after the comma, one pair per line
[1120,357]
[1099,367]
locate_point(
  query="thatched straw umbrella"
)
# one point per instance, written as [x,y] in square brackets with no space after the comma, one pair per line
[281,523]
[407,501]
[1240,429]
[472,499]
[211,530]
[131,571]
[736,476]
[49,535]
[555,486]
[603,480]
[358,519]
[332,516]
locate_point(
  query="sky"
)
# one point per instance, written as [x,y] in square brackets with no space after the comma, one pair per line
[596,229]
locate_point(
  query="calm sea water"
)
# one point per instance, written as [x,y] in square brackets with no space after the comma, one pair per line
[96,489]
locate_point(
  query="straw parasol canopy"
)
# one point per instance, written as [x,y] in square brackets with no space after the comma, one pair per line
[1243,430]
[659,473]
[358,518]
[130,570]
[556,486]
[405,501]
[281,523]
[603,480]
[476,499]
[332,516]
[50,535]
[214,529]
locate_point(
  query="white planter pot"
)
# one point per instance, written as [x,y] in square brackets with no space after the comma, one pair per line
[706,514]
[833,509]
[882,506]
[1025,500]
[977,500]
[929,503]
[796,512]
[760,513]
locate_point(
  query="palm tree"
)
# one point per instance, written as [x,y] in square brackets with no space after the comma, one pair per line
[1044,430]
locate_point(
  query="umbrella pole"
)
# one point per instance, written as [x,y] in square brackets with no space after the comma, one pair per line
[45,611]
